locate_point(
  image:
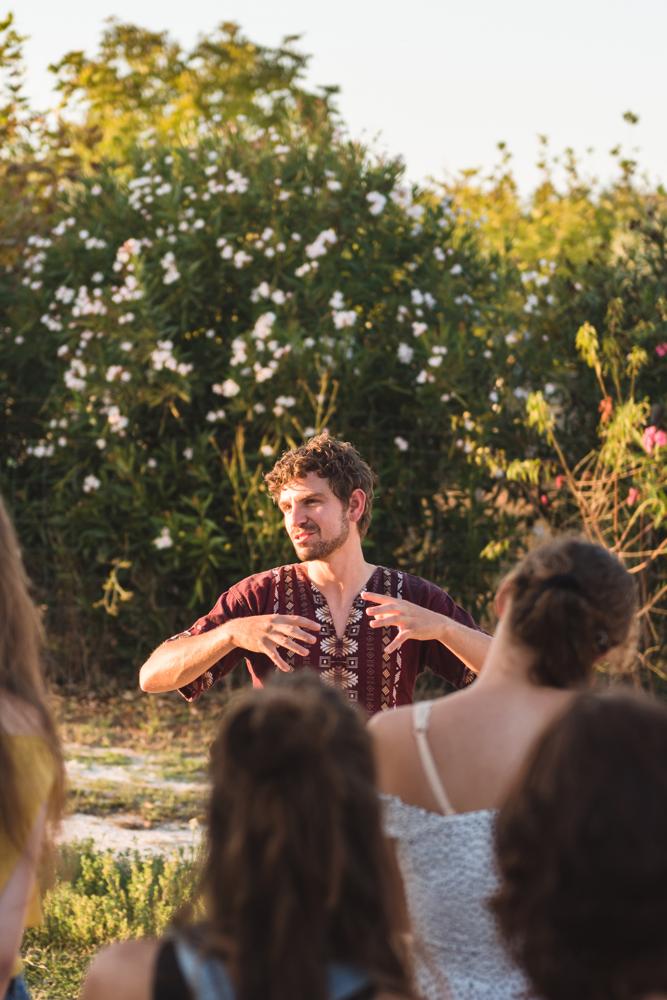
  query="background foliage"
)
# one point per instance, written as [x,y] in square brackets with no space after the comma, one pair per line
[198,268]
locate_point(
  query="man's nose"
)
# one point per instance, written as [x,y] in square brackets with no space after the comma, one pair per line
[299,514]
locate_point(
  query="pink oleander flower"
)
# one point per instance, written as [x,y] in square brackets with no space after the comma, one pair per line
[653,438]
[661,349]
[633,496]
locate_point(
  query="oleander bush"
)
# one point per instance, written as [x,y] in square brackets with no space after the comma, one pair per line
[210,270]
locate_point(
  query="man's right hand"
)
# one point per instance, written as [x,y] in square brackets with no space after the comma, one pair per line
[180,660]
[266,633]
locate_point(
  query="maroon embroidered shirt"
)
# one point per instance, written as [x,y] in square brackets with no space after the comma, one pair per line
[356,661]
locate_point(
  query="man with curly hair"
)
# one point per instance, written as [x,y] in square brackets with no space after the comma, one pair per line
[332,611]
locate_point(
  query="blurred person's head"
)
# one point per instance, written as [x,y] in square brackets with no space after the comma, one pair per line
[570,603]
[296,868]
[581,847]
[21,676]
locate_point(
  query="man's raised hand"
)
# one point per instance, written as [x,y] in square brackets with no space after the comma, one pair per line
[266,633]
[411,620]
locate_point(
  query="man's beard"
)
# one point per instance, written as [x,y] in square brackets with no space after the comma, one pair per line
[323,548]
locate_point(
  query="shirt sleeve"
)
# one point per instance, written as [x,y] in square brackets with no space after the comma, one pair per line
[249,597]
[434,654]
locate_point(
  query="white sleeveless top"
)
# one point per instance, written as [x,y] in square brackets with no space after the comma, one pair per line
[447,864]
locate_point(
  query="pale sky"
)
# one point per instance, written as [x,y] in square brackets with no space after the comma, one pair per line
[436,81]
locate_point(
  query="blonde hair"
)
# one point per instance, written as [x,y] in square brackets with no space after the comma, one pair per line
[21,675]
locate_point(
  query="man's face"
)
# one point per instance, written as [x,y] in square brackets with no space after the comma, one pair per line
[315,519]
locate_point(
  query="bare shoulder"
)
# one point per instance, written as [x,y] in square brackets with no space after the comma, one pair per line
[392,747]
[123,969]
[18,717]
[384,725]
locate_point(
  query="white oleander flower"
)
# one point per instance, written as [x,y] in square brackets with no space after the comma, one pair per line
[401,443]
[91,483]
[228,388]
[163,540]
[377,202]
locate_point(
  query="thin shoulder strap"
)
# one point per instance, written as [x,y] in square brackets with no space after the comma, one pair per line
[420,717]
[207,978]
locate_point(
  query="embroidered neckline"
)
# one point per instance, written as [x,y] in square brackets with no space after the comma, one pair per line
[324,616]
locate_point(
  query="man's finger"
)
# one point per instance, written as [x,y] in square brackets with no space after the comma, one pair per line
[297,621]
[397,641]
[368,595]
[383,609]
[287,643]
[293,632]
[274,655]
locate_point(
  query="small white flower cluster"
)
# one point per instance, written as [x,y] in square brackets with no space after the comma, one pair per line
[64,294]
[342,317]
[321,244]
[283,403]
[41,450]
[419,328]
[171,272]
[116,420]
[41,242]
[162,357]
[405,353]
[130,248]
[75,376]
[129,291]
[163,540]
[84,305]
[237,183]
[117,372]
[377,201]
[92,242]
[239,352]
[437,354]
[420,298]
[91,483]
[63,226]
[305,269]
[213,416]
[263,326]
[263,291]
[228,388]
[241,258]
[401,443]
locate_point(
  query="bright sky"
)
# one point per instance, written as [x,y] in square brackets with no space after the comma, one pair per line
[438,81]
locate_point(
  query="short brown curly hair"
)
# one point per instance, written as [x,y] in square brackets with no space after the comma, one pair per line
[338,462]
[581,852]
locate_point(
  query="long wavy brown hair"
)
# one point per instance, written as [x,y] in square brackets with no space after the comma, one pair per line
[22,676]
[581,846]
[296,873]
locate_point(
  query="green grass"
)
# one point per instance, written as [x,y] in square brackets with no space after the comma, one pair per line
[99,897]
[152,805]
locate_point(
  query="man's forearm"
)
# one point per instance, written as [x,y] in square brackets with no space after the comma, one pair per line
[469,644]
[180,661]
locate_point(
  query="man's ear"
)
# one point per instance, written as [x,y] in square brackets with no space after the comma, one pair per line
[356,505]
[503,597]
